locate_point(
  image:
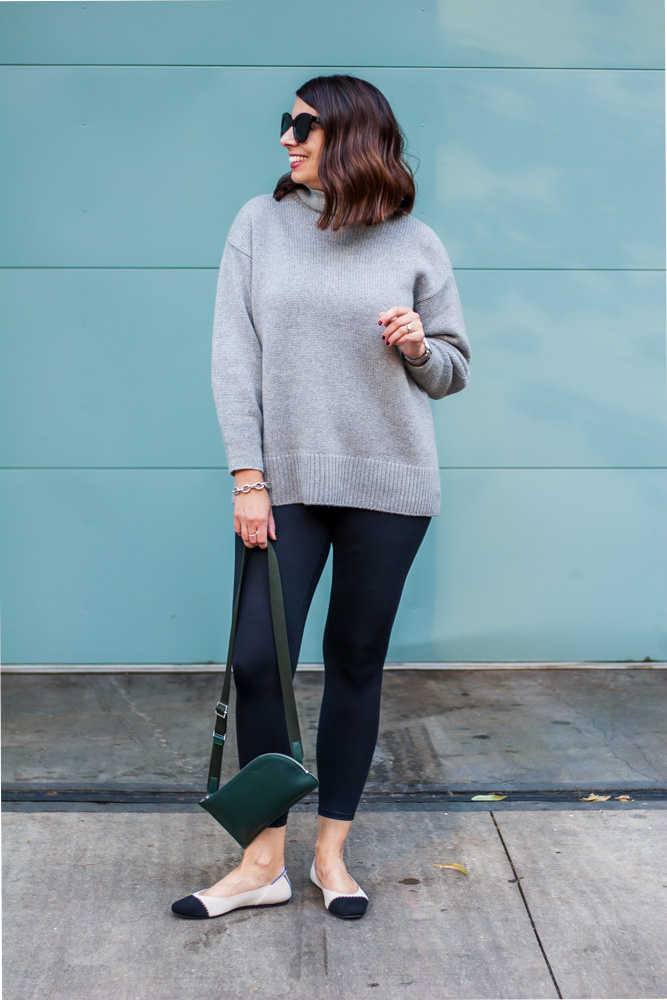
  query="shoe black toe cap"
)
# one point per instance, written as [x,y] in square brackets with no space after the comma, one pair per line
[189,906]
[349,907]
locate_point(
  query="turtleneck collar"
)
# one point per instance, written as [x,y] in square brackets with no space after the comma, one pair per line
[312,197]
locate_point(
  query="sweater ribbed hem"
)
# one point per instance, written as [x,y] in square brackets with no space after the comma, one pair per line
[351,481]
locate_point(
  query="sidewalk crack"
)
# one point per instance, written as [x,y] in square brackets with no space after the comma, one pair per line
[525,903]
[607,738]
[325,952]
[158,735]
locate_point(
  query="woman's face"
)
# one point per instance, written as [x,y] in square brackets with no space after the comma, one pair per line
[304,168]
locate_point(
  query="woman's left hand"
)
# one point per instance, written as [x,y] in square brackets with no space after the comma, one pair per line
[396,321]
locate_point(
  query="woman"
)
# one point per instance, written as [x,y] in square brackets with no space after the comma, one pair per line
[337,319]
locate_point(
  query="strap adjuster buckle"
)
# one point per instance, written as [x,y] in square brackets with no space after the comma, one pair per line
[219,738]
[222,714]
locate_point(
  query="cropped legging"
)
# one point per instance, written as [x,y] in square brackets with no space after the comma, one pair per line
[372,554]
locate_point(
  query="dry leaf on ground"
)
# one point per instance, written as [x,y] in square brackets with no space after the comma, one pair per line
[624,798]
[452,864]
[595,798]
[487,798]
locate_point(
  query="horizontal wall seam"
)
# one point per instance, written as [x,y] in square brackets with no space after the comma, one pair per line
[194,267]
[223,468]
[338,66]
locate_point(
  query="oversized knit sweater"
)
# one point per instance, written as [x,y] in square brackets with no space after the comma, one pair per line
[305,388]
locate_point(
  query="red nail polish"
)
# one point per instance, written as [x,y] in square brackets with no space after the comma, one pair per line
[383,337]
[379,322]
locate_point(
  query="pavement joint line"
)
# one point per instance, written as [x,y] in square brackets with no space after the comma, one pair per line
[418,797]
[525,903]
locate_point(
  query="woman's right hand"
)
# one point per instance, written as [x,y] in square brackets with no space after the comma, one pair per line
[253,516]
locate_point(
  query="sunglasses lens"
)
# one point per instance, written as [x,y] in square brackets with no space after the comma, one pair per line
[285,123]
[298,124]
[302,127]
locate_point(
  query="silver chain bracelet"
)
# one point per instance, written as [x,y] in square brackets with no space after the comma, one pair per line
[247,487]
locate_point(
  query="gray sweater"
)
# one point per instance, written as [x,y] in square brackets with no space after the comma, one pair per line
[305,388]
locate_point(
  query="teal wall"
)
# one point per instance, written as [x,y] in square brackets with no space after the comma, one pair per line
[133,132]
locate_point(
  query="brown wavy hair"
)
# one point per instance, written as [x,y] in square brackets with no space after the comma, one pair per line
[362,166]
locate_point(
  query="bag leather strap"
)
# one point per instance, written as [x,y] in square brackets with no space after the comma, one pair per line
[284,669]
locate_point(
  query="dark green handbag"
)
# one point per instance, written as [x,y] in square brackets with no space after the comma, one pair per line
[271,783]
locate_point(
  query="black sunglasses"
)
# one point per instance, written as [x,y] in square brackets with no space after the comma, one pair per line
[301,125]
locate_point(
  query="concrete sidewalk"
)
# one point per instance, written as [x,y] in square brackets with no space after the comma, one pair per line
[562,898]
[88,895]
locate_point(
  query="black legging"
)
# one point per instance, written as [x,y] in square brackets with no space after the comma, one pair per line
[372,554]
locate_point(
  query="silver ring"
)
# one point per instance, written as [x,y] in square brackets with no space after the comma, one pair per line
[409,328]
[251,534]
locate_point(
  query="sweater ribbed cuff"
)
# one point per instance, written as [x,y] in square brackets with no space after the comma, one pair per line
[351,481]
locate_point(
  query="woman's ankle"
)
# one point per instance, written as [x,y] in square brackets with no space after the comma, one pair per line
[266,864]
[266,854]
[330,840]
[322,849]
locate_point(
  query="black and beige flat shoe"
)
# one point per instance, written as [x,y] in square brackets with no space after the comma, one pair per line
[348,905]
[199,907]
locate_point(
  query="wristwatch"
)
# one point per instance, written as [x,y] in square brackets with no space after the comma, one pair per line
[418,362]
